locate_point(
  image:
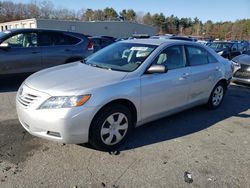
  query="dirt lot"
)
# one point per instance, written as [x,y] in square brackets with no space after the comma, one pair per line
[214,146]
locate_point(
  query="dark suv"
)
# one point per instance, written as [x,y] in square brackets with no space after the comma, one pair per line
[226,49]
[30,50]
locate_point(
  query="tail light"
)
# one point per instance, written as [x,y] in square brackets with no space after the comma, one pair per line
[90,46]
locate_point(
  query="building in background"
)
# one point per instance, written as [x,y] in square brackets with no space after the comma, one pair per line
[118,29]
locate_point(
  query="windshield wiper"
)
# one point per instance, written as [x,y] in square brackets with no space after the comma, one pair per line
[99,66]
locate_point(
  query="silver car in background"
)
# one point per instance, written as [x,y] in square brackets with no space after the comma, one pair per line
[124,85]
[242,72]
[31,50]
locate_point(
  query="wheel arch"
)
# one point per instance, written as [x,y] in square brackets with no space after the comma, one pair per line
[125,102]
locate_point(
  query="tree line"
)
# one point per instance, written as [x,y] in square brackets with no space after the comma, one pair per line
[239,29]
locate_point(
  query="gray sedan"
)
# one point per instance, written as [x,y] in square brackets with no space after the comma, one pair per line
[31,50]
[124,85]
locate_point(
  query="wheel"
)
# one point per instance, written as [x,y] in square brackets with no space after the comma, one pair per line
[216,96]
[110,127]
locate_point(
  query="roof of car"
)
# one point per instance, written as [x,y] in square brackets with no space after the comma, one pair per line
[28,29]
[225,42]
[157,42]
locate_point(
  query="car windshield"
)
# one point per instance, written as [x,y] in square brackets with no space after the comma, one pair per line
[121,56]
[2,34]
[218,45]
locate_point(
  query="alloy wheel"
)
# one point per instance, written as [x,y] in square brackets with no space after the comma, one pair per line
[114,128]
[218,95]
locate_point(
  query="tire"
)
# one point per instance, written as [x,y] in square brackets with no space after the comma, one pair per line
[217,96]
[110,127]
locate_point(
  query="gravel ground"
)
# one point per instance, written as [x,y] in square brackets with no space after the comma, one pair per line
[213,146]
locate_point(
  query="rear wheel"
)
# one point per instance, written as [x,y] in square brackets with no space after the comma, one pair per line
[217,96]
[110,127]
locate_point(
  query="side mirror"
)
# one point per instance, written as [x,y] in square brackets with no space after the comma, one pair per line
[157,69]
[4,45]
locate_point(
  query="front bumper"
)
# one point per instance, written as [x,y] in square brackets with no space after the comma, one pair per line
[70,126]
[241,80]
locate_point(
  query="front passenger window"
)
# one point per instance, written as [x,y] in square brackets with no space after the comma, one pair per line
[22,40]
[172,57]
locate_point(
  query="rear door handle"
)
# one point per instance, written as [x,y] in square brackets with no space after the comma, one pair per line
[67,50]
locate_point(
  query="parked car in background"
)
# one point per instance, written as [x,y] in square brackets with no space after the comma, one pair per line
[175,37]
[226,49]
[100,42]
[30,50]
[203,42]
[139,36]
[242,75]
[126,84]
[186,38]
[245,46]
[166,36]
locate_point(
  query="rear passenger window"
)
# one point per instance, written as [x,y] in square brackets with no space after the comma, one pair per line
[69,40]
[57,39]
[196,56]
[62,39]
[211,58]
[172,57]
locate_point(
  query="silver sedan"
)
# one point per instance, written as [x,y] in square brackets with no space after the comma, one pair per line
[124,85]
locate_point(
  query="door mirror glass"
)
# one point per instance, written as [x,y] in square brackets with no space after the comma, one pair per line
[157,69]
[4,45]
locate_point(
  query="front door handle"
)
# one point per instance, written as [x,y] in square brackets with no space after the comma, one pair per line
[184,76]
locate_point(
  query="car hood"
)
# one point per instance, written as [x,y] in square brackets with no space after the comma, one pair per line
[242,59]
[72,78]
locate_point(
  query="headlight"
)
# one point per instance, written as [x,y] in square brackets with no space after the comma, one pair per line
[65,102]
[235,66]
[220,53]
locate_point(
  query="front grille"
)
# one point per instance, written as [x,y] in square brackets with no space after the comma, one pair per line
[243,72]
[244,67]
[27,99]
[56,134]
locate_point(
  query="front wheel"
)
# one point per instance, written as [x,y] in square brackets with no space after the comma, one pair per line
[216,96]
[110,127]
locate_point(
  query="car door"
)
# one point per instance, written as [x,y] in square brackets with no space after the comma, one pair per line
[235,51]
[205,72]
[22,55]
[57,48]
[165,92]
